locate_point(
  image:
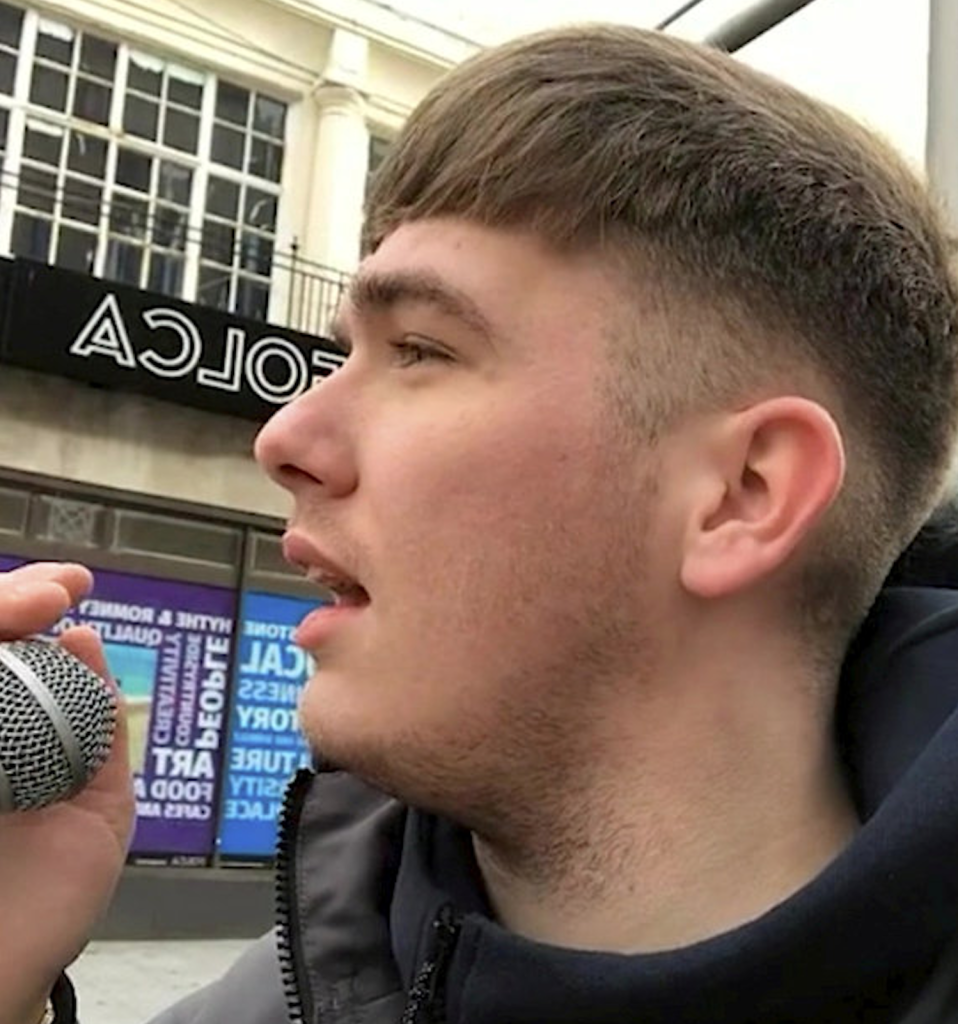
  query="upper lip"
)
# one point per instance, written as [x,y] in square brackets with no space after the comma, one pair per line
[316,564]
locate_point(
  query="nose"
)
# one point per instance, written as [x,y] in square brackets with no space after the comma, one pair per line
[308,444]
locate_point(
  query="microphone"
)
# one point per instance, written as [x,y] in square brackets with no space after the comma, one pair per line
[56,724]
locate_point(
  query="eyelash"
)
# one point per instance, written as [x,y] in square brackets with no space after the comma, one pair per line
[412,353]
[407,352]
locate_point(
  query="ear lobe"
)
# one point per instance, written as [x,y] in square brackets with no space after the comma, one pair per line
[778,467]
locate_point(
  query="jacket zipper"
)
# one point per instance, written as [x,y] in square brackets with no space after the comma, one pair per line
[426,1002]
[288,943]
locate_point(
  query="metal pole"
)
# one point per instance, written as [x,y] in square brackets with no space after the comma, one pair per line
[941,140]
[752,22]
[675,15]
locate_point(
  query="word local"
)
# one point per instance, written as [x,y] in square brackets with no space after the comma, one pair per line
[275,369]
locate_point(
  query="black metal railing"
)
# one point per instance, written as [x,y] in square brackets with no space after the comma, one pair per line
[306,293]
[314,292]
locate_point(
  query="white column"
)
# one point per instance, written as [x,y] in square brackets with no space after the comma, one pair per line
[341,158]
[339,179]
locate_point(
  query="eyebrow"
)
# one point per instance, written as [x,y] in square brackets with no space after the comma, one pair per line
[376,292]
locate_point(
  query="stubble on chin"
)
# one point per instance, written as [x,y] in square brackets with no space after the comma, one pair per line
[515,745]
[513,765]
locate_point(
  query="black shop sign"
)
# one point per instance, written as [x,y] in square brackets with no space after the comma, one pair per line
[57,321]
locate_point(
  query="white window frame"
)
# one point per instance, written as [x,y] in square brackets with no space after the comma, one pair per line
[201,164]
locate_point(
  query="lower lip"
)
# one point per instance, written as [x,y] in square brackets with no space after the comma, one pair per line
[323,621]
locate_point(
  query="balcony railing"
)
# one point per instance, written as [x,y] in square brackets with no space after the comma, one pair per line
[151,245]
[314,291]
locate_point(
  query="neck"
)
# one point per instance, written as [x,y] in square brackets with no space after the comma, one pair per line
[719,811]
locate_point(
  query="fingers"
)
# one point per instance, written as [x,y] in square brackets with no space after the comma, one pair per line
[34,596]
[84,643]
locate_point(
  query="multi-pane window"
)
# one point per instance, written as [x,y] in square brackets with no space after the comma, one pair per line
[379,146]
[59,196]
[148,222]
[135,167]
[237,251]
[239,227]
[11,28]
[248,132]
[162,103]
[73,73]
[4,125]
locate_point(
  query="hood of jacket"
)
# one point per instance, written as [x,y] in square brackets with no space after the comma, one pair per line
[368,888]
[855,944]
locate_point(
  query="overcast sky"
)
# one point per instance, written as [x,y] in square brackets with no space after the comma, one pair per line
[867,56]
[486,20]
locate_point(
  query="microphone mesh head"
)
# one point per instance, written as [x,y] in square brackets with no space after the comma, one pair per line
[36,755]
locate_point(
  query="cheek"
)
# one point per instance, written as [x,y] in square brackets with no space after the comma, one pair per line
[480,478]
[487,524]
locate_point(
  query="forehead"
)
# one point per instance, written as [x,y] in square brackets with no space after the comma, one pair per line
[497,280]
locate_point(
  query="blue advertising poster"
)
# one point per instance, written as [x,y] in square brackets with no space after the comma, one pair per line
[264,743]
[167,644]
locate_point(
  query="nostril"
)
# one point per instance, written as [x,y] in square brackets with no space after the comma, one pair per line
[291,475]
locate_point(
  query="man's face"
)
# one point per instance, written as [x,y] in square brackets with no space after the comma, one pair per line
[464,469]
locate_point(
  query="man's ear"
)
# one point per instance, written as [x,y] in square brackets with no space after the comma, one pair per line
[772,472]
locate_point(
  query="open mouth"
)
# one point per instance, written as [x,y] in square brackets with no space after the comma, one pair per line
[342,592]
[337,586]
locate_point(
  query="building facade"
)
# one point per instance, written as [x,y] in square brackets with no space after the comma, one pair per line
[181,190]
[214,153]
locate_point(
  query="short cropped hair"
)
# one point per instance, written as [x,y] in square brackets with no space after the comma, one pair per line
[786,245]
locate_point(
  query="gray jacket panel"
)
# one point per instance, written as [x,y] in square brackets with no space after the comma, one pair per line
[251,992]
[346,857]
[344,848]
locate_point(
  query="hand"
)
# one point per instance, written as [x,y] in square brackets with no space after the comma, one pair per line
[58,865]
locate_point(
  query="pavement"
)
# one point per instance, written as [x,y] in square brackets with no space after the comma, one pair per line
[130,982]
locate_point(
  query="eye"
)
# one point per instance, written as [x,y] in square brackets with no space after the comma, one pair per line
[413,351]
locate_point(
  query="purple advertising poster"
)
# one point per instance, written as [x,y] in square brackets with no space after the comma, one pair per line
[168,647]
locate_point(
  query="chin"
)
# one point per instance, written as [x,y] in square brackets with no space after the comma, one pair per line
[351,717]
[374,748]
[346,733]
